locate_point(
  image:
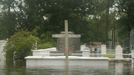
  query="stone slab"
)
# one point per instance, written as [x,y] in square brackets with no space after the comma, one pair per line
[43,52]
[63,35]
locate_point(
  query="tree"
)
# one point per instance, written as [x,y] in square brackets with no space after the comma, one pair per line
[126,20]
[8,19]
[29,16]
[58,10]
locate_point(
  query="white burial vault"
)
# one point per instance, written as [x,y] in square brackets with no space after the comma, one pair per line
[41,58]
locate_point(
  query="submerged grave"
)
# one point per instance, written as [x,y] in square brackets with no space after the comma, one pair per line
[44,58]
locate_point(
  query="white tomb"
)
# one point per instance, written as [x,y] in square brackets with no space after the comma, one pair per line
[132,62]
[118,52]
[2,53]
[86,53]
[82,47]
[39,60]
[103,49]
[132,53]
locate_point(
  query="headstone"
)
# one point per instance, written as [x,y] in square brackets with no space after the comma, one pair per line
[86,52]
[2,53]
[82,47]
[132,53]
[132,61]
[118,52]
[103,49]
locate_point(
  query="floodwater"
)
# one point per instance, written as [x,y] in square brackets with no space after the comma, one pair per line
[114,69]
[125,69]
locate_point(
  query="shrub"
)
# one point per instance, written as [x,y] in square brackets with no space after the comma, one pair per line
[19,46]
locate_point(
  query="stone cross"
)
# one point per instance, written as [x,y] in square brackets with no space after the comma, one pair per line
[66,39]
[66,47]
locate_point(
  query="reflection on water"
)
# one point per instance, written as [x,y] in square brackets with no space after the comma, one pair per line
[119,68]
[114,69]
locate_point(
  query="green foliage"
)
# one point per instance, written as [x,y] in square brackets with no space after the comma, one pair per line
[126,21]
[46,41]
[58,10]
[7,25]
[19,46]
[29,16]
[45,45]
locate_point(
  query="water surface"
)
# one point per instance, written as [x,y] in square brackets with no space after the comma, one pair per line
[124,69]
